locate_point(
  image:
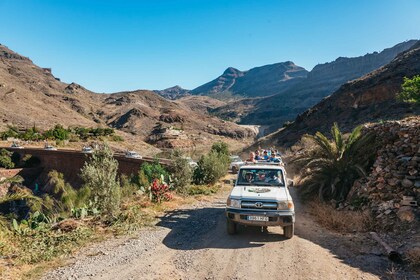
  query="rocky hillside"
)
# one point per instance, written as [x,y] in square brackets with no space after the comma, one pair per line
[30,95]
[391,191]
[393,186]
[259,81]
[370,98]
[322,81]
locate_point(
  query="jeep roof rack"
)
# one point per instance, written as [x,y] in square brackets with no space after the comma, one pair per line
[264,163]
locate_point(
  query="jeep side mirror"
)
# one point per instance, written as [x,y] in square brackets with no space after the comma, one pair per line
[290,183]
[233,182]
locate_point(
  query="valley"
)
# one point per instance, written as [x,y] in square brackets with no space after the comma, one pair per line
[134,184]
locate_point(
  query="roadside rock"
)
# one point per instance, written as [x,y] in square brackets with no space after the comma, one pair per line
[406,214]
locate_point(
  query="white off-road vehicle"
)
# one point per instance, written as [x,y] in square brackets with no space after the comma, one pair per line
[261,198]
[235,163]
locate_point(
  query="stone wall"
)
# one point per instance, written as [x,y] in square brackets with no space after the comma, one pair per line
[70,162]
[392,189]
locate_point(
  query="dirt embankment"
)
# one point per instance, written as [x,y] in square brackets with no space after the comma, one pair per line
[192,243]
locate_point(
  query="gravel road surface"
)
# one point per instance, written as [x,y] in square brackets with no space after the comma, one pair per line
[192,243]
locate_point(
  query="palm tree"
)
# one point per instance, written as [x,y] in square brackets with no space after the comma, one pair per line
[331,167]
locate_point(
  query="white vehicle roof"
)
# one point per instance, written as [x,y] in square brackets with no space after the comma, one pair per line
[262,166]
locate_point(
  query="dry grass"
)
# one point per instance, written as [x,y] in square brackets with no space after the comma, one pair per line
[341,221]
[413,257]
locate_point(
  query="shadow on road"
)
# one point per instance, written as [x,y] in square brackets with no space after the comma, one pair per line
[204,228]
[193,229]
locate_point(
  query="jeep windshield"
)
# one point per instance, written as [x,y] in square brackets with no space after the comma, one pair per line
[260,177]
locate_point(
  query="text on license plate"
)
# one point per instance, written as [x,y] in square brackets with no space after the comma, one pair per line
[258,218]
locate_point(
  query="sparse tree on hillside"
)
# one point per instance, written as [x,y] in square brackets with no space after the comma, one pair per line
[410,90]
[331,167]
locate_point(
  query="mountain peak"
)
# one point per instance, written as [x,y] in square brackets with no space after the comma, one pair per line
[173,92]
[258,81]
[231,70]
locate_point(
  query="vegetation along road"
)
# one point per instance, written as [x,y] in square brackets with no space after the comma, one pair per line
[192,243]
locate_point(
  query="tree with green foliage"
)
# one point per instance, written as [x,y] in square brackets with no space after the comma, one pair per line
[410,90]
[181,172]
[11,132]
[57,133]
[220,147]
[100,175]
[331,167]
[212,166]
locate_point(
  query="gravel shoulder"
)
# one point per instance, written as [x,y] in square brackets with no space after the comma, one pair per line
[192,243]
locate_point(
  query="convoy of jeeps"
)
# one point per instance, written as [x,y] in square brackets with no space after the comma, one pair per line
[260,197]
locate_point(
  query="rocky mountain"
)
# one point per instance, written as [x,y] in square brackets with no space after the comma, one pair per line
[30,95]
[367,99]
[322,81]
[174,92]
[259,81]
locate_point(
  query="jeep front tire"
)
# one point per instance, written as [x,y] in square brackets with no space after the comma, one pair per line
[289,231]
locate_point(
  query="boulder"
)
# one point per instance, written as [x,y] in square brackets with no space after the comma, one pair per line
[406,214]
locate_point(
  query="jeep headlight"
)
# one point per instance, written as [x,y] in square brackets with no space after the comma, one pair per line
[285,205]
[235,203]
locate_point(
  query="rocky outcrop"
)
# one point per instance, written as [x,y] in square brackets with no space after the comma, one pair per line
[74,88]
[259,81]
[9,54]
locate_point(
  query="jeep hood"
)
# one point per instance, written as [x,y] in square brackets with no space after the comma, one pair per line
[260,192]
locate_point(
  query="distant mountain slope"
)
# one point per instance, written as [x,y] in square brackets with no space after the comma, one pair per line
[30,95]
[259,81]
[174,92]
[370,98]
[323,80]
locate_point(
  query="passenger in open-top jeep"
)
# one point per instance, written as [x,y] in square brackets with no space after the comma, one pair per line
[261,198]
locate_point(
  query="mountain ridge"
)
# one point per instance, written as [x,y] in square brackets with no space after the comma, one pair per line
[322,81]
[367,99]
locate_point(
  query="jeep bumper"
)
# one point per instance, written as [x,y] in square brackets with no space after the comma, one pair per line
[275,218]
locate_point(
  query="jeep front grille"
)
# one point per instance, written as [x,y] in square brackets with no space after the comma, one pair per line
[259,205]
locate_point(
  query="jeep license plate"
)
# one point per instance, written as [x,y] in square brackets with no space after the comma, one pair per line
[258,218]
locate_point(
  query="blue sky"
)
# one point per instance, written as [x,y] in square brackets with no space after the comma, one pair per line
[110,46]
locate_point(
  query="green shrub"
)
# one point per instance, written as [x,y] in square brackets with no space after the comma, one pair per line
[181,173]
[152,171]
[67,197]
[100,175]
[57,133]
[211,167]
[410,90]
[220,147]
[128,187]
[6,159]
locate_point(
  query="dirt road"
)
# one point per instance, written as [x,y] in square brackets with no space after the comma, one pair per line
[192,243]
